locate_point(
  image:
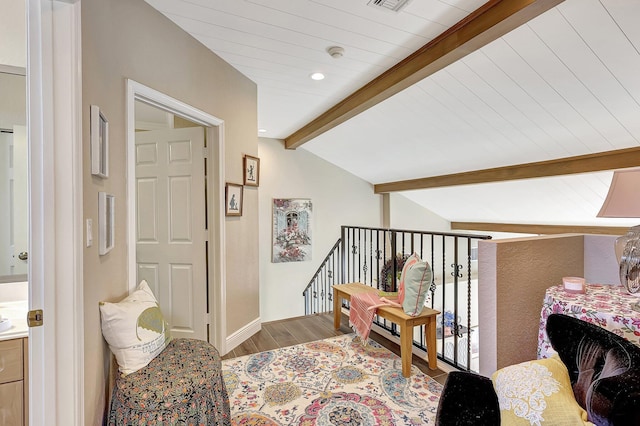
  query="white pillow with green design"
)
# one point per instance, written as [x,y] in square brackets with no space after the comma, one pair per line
[417,283]
[135,329]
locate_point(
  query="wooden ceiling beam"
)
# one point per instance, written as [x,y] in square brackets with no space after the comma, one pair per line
[538,229]
[484,25]
[610,160]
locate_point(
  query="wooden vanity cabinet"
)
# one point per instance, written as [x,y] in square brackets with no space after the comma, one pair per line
[13,372]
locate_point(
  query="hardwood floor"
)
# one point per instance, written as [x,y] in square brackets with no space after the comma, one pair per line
[294,331]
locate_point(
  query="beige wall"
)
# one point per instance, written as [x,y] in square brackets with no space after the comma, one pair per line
[513,276]
[600,262]
[13,102]
[406,214]
[128,39]
[13,33]
[338,197]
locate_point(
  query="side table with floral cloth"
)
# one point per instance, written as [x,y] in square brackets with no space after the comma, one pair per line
[183,385]
[605,305]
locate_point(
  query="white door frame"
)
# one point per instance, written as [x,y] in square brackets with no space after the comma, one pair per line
[215,197]
[56,349]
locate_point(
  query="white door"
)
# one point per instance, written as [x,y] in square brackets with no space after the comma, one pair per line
[14,193]
[6,243]
[170,225]
[20,202]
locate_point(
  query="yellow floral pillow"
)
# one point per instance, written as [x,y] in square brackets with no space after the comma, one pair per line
[537,393]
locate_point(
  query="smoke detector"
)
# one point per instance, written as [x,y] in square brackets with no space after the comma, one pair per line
[389,5]
[335,51]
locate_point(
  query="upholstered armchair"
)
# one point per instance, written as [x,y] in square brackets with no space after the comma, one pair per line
[594,379]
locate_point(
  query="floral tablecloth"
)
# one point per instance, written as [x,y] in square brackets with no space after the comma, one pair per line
[605,305]
[183,385]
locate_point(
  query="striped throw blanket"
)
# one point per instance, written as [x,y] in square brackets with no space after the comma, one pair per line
[361,313]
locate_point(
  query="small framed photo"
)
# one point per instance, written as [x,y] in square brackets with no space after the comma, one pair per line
[233,199]
[251,171]
[106,222]
[99,143]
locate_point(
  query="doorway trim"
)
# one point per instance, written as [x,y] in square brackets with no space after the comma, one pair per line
[214,128]
[56,349]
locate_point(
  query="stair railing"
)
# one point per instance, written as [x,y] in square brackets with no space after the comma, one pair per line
[375,256]
[318,294]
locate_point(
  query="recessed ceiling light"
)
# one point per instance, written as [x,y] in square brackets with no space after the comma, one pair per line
[262,130]
[317,76]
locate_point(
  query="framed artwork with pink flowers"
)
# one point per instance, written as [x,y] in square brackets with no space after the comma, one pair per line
[291,230]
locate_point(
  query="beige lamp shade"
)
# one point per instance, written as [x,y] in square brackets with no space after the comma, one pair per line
[623,199]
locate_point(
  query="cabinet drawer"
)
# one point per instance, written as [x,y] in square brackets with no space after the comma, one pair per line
[10,360]
[11,404]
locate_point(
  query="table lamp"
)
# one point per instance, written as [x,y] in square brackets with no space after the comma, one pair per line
[623,200]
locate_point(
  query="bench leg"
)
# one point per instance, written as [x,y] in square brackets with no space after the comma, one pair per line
[432,351]
[337,312]
[406,348]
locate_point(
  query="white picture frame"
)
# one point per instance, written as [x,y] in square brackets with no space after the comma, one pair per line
[99,143]
[106,222]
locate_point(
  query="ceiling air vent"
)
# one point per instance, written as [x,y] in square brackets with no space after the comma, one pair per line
[391,5]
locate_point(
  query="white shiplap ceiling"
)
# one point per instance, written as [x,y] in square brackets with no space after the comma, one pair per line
[565,84]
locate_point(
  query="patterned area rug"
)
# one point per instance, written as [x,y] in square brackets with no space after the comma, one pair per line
[335,381]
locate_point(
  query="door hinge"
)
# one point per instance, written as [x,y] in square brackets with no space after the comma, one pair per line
[35,318]
[205,152]
[206,235]
[207,318]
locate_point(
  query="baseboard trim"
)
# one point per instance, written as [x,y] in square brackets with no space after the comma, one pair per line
[242,335]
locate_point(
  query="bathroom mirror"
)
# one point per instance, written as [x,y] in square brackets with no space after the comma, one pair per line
[14,213]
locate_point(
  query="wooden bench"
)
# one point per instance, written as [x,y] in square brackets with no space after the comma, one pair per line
[396,315]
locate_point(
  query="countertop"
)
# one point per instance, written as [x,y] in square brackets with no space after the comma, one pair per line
[17,313]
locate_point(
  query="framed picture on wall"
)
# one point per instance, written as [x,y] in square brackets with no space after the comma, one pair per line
[251,170]
[106,222]
[99,143]
[233,199]
[291,230]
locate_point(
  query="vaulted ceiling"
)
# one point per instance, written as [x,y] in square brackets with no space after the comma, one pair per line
[564,84]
